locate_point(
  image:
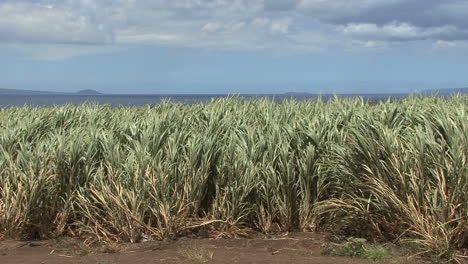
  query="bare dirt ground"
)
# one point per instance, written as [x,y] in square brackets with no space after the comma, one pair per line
[292,248]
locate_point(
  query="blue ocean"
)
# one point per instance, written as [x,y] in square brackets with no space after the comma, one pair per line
[143,100]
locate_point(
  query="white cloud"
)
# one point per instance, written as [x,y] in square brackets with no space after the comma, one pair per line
[451,45]
[446,44]
[396,31]
[211,27]
[280,26]
[145,38]
[35,23]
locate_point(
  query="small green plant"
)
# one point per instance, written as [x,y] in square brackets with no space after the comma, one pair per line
[198,254]
[376,253]
[328,249]
[353,247]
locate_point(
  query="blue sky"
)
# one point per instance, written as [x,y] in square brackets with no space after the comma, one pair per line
[234,46]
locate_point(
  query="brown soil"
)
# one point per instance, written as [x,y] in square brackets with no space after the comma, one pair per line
[293,248]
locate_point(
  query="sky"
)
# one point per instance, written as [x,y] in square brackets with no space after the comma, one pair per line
[233,46]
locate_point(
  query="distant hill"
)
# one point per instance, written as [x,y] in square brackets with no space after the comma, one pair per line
[25,92]
[88,92]
[4,91]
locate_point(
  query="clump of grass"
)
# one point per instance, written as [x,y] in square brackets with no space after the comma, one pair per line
[195,253]
[355,247]
[376,253]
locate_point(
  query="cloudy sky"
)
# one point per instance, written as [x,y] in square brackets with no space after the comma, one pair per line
[233,46]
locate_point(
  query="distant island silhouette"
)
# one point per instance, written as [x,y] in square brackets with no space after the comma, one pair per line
[24,92]
[4,91]
[89,92]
